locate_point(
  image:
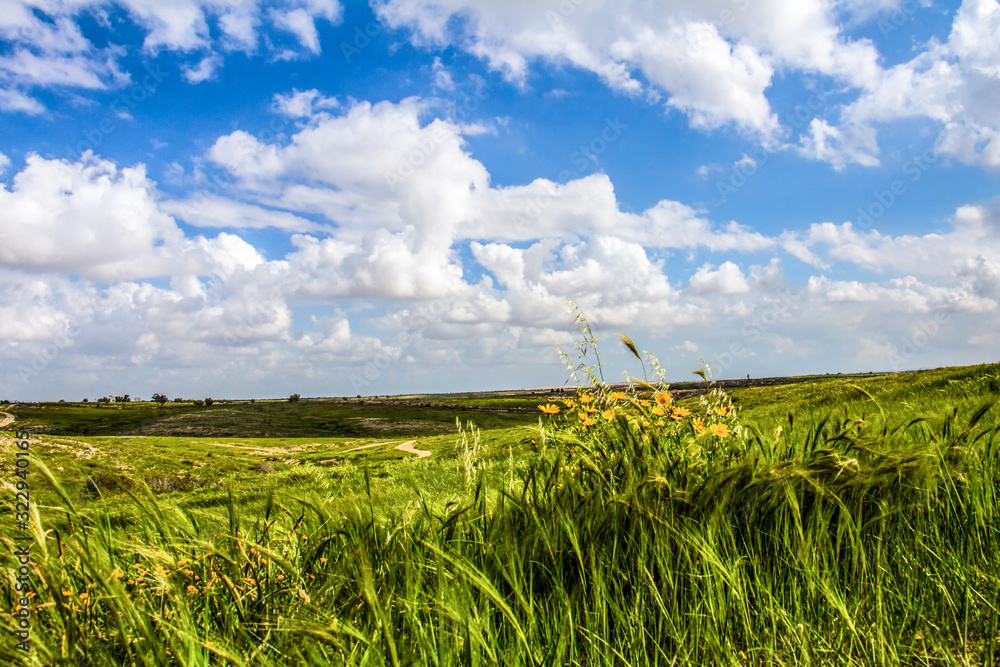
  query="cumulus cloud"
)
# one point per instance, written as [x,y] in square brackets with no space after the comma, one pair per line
[403,251]
[954,84]
[975,232]
[91,218]
[404,192]
[727,279]
[713,60]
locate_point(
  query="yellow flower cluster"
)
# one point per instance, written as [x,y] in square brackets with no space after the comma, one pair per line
[590,411]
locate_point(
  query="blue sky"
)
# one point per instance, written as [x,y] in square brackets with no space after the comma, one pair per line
[253,199]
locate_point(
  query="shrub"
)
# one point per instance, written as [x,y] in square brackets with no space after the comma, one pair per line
[209,402]
[103,482]
[294,398]
[170,483]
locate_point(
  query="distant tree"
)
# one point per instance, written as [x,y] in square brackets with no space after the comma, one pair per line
[103,399]
[178,400]
[253,400]
[86,400]
[209,402]
[62,400]
[198,402]
[160,398]
[294,398]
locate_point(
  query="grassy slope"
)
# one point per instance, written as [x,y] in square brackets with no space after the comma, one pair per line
[305,419]
[204,451]
[317,467]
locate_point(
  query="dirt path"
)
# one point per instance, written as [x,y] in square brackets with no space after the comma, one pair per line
[7,418]
[410,449]
[375,444]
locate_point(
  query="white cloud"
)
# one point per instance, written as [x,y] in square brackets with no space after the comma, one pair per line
[299,23]
[246,157]
[975,233]
[303,104]
[92,219]
[746,162]
[953,84]
[4,163]
[714,60]
[441,76]
[54,53]
[12,100]
[412,218]
[404,192]
[727,279]
[204,70]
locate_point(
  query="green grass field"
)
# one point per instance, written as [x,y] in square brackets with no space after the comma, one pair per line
[837,520]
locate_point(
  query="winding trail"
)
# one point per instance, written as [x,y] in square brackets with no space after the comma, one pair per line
[410,449]
[7,419]
[374,444]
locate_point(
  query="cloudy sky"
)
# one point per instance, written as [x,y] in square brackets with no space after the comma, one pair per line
[231,198]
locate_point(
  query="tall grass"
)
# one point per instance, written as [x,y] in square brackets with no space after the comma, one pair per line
[840,542]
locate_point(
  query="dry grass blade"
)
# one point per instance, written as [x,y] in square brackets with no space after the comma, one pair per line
[630,345]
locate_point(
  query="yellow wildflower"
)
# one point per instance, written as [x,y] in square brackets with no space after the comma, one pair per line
[549,409]
[608,415]
[719,430]
[658,411]
[586,398]
[663,397]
